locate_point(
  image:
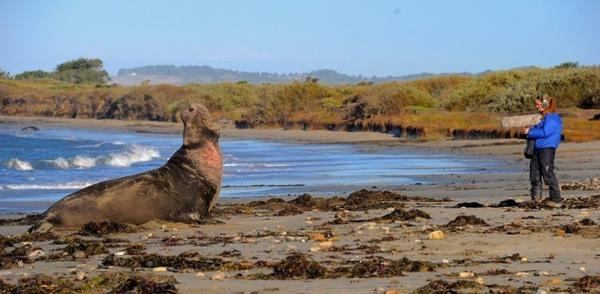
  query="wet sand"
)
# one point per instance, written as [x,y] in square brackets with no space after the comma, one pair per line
[527,247]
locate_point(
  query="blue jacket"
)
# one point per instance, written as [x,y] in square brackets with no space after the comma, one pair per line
[547,133]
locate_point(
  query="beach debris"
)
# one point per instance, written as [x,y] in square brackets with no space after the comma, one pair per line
[147,284]
[588,283]
[100,229]
[441,286]
[290,210]
[401,215]
[183,261]
[35,254]
[469,205]
[466,220]
[581,202]
[366,199]
[79,248]
[466,274]
[522,274]
[28,220]
[80,275]
[298,266]
[376,266]
[437,235]
[587,222]
[591,184]
[81,283]
[173,240]
[507,203]
[317,236]
[325,245]
[159,269]
[341,217]
[553,282]
[135,249]
[17,256]
[231,253]
[218,276]
[369,199]
[305,200]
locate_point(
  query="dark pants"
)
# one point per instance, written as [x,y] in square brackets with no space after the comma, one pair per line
[541,167]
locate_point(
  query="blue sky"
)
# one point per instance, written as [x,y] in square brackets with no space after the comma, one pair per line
[356,37]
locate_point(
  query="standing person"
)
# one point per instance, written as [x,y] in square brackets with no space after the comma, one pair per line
[547,136]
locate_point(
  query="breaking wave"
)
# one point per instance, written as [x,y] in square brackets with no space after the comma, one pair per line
[75,162]
[18,164]
[133,154]
[58,186]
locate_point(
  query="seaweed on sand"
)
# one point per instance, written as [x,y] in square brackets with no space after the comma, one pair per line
[175,263]
[298,266]
[103,283]
[17,255]
[27,220]
[445,287]
[588,284]
[465,220]
[146,284]
[402,215]
[89,247]
[376,266]
[100,229]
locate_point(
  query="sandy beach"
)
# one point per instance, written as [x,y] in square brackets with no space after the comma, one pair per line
[467,234]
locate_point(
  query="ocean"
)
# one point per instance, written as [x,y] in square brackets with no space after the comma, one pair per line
[40,167]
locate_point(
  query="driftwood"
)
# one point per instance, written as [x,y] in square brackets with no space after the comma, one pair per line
[521,121]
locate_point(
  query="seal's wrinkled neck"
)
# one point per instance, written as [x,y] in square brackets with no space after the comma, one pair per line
[196,131]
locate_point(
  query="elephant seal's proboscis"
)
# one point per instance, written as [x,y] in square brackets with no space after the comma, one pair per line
[185,189]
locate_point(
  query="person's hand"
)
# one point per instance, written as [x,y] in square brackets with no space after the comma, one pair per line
[526,131]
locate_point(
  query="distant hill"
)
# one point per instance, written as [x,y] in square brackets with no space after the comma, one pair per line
[179,75]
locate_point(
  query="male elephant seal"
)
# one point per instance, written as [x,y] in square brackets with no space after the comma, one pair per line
[184,189]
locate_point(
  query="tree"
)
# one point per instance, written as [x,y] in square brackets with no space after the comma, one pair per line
[82,70]
[33,74]
[4,74]
[568,64]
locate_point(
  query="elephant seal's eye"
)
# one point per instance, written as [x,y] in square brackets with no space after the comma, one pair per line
[192,109]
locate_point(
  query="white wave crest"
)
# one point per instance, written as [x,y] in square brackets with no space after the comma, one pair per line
[58,186]
[247,164]
[18,164]
[136,153]
[60,162]
[83,162]
[75,162]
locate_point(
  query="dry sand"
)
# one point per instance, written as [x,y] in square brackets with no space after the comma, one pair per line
[256,239]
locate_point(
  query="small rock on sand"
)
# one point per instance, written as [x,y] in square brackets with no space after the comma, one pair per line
[320,237]
[218,276]
[437,235]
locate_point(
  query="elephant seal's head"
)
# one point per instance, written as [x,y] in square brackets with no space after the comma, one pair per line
[197,126]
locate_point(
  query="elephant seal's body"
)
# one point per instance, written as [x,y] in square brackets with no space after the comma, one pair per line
[184,189]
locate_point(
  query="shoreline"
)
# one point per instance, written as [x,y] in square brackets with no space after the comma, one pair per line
[357,249]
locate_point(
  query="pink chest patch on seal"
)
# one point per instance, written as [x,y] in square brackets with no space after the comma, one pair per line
[211,156]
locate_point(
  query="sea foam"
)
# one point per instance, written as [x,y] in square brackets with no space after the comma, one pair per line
[57,186]
[18,164]
[135,153]
[80,162]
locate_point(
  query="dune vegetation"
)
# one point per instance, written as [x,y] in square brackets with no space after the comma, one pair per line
[429,108]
